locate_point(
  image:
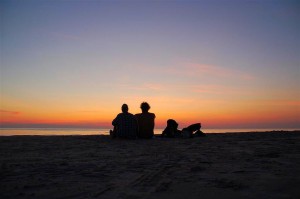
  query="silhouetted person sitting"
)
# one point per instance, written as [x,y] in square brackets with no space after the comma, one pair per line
[171,130]
[145,122]
[125,125]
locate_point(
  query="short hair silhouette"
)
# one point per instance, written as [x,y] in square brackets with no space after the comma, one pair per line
[124,108]
[145,107]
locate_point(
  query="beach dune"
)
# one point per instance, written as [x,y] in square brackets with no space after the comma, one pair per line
[231,165]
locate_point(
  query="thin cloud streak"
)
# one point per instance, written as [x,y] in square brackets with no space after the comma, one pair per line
[196,69]
[283,103]
[219,90]
[190,88]
[160,100]
[9,112]
[190,69]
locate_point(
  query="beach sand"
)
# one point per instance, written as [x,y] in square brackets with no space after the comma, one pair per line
[232,165]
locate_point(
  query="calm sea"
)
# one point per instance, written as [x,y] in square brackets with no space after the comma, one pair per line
[78,131]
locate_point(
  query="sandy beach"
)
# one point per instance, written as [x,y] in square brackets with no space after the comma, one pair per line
[232,165]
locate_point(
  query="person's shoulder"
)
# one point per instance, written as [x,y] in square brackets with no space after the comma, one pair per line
[130,114]
[119,115]
[152,114]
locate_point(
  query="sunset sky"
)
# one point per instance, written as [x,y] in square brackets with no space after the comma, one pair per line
[224,63]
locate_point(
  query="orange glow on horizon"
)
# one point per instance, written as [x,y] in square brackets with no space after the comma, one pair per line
[221,113]
[208,120]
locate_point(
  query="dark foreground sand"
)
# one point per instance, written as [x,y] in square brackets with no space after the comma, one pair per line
[243,165]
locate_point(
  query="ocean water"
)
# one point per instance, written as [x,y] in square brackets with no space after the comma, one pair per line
[105,131]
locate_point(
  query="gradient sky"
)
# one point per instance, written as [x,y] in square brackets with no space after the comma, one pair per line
[226,64]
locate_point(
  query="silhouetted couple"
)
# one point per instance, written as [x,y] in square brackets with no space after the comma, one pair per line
[127,125]
[171,131]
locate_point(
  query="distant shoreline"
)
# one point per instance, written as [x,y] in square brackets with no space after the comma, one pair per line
[158,135]
[104,131]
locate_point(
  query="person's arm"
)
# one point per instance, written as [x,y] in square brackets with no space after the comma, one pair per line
[115,122]
[164,133]
[194,127]
[153,121]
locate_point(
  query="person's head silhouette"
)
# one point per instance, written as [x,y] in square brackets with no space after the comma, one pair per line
[125,108]
[145,107]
